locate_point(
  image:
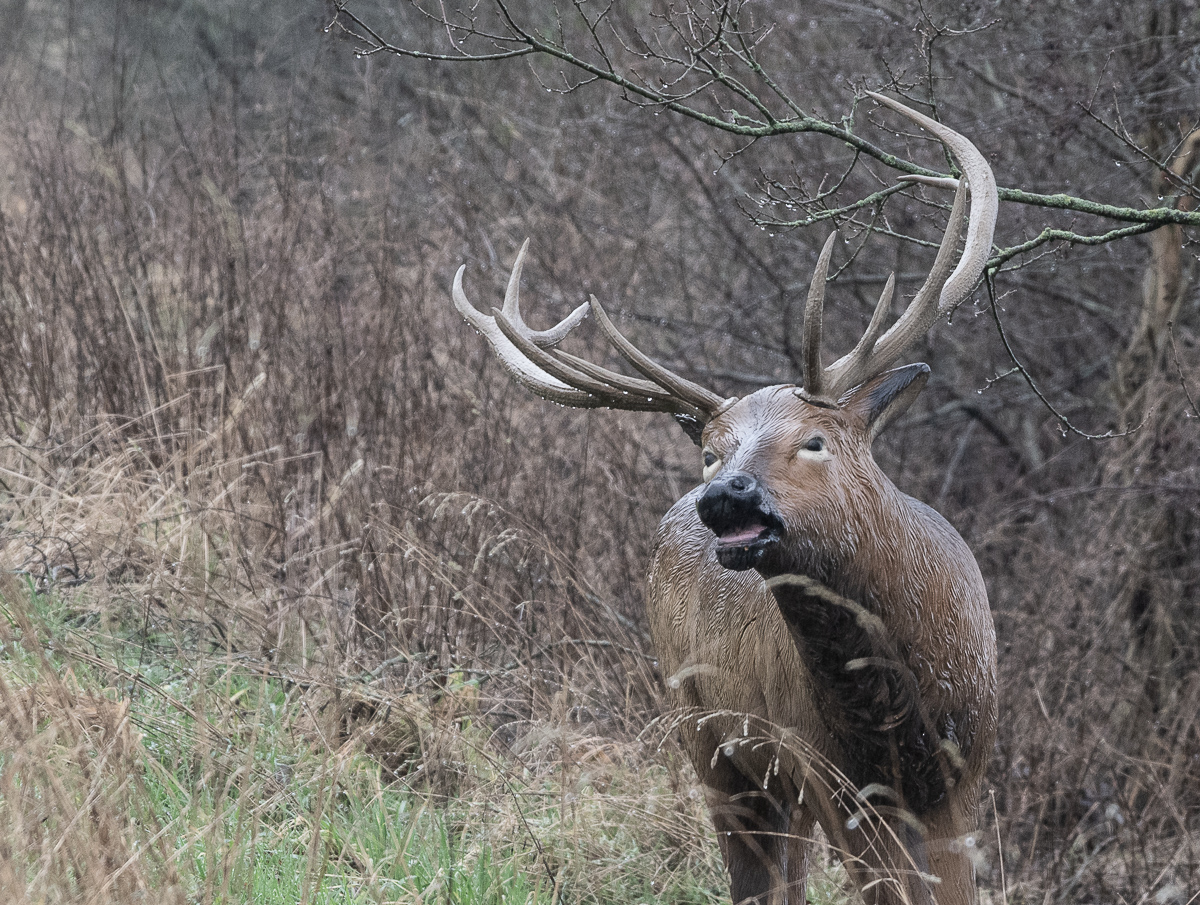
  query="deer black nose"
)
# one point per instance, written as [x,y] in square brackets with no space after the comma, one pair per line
[728,501]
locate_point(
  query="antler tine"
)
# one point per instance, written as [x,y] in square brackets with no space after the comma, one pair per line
[947,285]
[571,381]
[604,387]
[519,366]
[856,360]
[704,400]
[512,310]
[814,309]
[870,357]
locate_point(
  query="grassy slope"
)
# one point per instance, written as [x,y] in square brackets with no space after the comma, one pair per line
[133,766]
[203,777]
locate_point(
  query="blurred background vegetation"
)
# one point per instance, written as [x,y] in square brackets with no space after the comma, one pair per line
[305,601]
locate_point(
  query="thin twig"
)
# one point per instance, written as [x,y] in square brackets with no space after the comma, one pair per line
[1024,372]
[999,848]
[1179,368]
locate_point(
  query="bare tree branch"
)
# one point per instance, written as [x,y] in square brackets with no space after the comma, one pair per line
[714,50]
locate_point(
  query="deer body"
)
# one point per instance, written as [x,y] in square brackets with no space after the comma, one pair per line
[826,637]
[731,646]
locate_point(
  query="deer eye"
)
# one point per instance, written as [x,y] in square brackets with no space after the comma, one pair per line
[712,463]
[816,444]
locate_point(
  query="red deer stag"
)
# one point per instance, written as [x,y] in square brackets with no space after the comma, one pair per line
[828,637]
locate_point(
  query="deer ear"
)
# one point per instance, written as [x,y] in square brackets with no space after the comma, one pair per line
[885,397]
[693,427]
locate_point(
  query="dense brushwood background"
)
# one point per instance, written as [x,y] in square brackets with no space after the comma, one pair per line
[226,245]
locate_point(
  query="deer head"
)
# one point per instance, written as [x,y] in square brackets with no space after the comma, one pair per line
[836,411]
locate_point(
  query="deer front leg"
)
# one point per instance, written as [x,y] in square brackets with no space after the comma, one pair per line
[752,827]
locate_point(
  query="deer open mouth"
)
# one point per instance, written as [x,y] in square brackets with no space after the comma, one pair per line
[742,547]
[736,510]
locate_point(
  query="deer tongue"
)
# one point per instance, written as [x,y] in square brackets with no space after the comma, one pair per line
[746,534]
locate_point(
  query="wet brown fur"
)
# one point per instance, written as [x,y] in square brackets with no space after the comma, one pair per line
[888,626]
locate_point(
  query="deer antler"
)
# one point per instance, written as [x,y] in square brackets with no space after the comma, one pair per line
[528,355]
[945,287]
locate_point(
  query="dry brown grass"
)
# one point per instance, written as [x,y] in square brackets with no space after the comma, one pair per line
[78,825]
[158,741]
